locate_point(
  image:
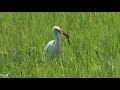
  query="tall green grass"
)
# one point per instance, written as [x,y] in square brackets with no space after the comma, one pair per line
[94,51]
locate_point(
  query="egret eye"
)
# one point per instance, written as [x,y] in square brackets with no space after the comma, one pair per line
[57,29]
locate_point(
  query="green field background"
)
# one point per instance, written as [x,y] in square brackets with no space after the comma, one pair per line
[94,51]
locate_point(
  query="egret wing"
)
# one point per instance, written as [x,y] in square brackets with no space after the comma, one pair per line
[46,49]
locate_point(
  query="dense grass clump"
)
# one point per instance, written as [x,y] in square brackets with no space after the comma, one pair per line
[94,50]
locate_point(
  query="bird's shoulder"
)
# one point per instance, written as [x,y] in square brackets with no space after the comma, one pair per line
[50,43]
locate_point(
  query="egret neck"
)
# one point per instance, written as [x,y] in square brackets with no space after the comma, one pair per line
[56,37]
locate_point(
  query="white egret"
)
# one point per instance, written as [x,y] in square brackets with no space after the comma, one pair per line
[52,49]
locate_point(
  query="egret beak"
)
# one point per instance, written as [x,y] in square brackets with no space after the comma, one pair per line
[62,32]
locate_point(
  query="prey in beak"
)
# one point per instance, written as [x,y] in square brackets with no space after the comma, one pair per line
[65,34]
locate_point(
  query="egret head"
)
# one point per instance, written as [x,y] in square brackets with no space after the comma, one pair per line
[56,29]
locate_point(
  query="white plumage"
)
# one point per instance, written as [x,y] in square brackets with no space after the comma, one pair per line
[52,49]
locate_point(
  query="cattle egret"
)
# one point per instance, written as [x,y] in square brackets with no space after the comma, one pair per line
[52,49]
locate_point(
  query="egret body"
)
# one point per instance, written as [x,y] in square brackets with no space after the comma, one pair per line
[52,49]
